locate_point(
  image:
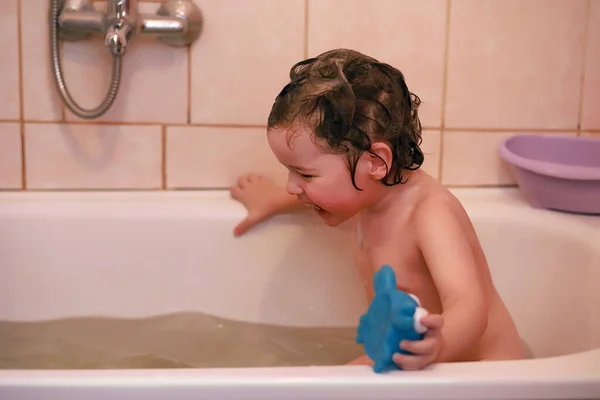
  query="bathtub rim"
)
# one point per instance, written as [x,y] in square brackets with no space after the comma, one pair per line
[217,203]
[573,376]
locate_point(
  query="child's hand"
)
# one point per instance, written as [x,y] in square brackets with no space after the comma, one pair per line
[261,197]
[425,351]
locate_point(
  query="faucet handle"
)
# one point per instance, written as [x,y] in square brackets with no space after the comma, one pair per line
[116,38]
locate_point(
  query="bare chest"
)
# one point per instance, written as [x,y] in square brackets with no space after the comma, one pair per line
[373,249]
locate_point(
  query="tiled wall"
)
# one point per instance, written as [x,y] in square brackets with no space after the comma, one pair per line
[194,118]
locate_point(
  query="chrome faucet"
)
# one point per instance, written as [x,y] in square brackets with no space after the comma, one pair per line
[121,19]
[177,23]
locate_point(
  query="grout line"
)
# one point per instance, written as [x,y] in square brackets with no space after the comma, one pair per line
[586,35]
[189,85]
[306,29]
[23,158]
[96,122]
[444,91]
[480,186]
[164,158]
[21,100]
[198,189]
[139,123]
[88,190]
[213,188]
[20,61]
[509,130]
[259,126]
[86,122]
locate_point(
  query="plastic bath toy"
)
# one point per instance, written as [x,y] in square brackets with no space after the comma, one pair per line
[392,316]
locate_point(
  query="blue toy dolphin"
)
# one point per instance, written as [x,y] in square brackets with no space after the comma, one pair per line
[392,316]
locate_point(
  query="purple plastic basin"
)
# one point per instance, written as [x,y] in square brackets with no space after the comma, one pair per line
[556,172]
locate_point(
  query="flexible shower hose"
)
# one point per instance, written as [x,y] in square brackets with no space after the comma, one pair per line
[60,83]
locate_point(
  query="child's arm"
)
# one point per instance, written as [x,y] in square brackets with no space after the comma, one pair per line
[451,262]
[262,198]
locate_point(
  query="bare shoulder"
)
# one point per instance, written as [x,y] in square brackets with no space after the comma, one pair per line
[438,205]
[434,210]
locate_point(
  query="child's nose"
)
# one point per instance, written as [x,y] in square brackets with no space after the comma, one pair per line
[293,187]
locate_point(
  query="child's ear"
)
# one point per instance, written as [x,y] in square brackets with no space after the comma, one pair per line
[380,160]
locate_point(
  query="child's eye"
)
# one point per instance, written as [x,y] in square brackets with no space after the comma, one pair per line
[306,176]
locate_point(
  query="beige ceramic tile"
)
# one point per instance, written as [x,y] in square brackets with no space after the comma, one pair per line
[89,156]
[10,156]
[515,64]
[214,157]
[242,59]
[590,115]
[40,98]
[595,135]
[154,84]
[431,148]
[9,61]
[409,35]
[472,158]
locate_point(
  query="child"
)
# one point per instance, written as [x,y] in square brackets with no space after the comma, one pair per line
[347,129]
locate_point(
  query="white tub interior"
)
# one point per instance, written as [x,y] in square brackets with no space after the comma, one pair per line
[142,254]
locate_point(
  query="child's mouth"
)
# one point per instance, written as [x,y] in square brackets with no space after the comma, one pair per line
[315,207]
[319,210]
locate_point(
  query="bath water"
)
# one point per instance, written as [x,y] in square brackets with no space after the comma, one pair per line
[179,340]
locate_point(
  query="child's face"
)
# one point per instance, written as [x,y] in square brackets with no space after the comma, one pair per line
[320,179]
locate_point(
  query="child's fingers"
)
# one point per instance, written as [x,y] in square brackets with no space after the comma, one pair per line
[432,321]
[242,181]
[409,362]
[425,346]
[243,226]
[423,350]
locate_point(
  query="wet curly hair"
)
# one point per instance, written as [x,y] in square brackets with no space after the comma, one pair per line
[351,100]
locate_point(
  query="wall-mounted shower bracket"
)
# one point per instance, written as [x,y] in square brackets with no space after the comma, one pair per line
[176,23]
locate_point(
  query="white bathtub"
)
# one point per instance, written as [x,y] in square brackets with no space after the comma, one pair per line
[147,249]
